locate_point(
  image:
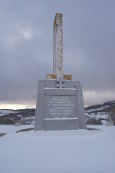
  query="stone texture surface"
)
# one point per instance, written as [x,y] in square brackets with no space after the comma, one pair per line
[58,45]
[59,108]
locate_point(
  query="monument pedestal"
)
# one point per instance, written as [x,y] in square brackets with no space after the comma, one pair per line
[60,100]
[59,108]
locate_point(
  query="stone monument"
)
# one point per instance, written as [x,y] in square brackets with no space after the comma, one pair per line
[60,99]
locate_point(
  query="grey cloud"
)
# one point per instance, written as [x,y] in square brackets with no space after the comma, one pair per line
[26,46]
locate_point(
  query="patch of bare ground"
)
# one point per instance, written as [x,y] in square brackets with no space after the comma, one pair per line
[2,134]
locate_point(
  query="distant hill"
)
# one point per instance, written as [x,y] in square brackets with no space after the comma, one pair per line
[105,107]
[26,116]
[14,116]
[100,110]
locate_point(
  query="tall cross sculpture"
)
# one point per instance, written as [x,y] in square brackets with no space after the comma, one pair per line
[58,47]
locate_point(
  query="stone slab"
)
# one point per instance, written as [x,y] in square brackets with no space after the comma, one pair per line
[61,124]
[59,108]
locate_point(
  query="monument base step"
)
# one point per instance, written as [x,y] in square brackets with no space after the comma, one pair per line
[61,124]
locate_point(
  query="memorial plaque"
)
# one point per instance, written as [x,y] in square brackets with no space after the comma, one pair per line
[60,106]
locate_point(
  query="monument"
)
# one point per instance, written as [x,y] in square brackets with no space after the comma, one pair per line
[60,99]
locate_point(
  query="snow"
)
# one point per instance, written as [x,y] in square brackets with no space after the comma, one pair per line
[98,116]
[6,112]
[62,118]
[96,109]
[61,88]
[82,151]
[13,128]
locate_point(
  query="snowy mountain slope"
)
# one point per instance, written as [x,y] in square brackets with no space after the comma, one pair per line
[13,116]
[105,107]
[6,112]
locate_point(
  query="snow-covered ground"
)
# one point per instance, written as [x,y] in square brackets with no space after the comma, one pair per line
[82,151]
[13,128]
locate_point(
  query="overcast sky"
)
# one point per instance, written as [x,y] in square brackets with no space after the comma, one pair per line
[26,47]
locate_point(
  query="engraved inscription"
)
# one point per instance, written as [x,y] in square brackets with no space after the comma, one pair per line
[60,106]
